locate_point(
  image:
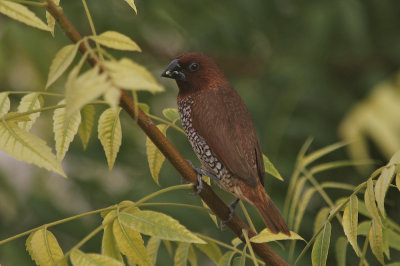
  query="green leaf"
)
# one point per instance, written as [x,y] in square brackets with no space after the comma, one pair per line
[376,241]
[240,261]
[171,114]
[86,125]
[131,76]
[158,224]
[305,199]
[395,160]
[225,260]
[363,228]
[26,147]
[321,218]
[51,22]
[44,248]
[211,250]
[145,107]
[192,257]
[337,185]
[181,254]
[350,222]
[152,249]
[116,40]
[320,249]
[22,14]
[4,103]
[64,129]
[61,62]
[29,102]
[210,213]
[79,258]
[154,155]
[267,236]
[132,5]
[112,96]
[398,181]
[236,241]
[270,168]
[109,245]
[85,88]
[385,241]
[110,134]
[393,239]
[319,153]
[338,164]
[369,198]
[130,243]
[341,250]
[296,193]
[382,185]
[168,246]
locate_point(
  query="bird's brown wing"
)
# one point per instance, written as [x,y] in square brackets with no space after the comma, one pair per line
[222,119]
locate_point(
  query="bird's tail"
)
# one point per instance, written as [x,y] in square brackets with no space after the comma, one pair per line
[269,212]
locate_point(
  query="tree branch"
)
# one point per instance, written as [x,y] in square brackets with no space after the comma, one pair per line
[169,151]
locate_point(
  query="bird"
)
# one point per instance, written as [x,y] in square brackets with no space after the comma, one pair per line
[221,132]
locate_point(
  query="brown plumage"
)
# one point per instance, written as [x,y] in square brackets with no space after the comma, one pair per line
[221,132]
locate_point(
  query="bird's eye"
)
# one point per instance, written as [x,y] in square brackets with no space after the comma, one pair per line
[194,67]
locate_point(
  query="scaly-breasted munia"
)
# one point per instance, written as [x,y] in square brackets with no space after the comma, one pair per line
[221,132]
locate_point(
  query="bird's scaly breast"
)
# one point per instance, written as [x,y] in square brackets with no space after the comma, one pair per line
[200,146]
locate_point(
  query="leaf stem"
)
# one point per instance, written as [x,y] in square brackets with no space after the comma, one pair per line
[92,27]
[222,244]
[246,237]
[364,251]
[159,119]
[246,214]
[38,92]
[56,223]
[180,205]
[48,108]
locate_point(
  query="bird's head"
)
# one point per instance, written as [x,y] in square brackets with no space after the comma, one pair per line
[195,72]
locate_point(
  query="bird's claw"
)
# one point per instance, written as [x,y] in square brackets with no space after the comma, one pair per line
[231,207]
[200,172]
[199,187]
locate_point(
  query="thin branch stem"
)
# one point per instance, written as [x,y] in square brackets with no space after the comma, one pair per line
[38,92]
[222,244]
[159,119]
[246,214]
[57,222]
[364,251]
[180,205]
[246,237]
[92,26]
[48,108]
[321,191]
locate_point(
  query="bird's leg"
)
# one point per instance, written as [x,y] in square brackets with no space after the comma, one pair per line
[200,171]
[232,207]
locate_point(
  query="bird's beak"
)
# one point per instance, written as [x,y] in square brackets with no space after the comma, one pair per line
[174,71]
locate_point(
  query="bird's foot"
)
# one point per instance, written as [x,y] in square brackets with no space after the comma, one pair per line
[200,171]
[232,207]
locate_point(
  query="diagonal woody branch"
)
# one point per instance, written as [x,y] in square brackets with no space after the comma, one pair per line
[169,151]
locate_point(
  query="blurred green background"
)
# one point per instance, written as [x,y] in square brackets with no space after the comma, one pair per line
[300,67]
